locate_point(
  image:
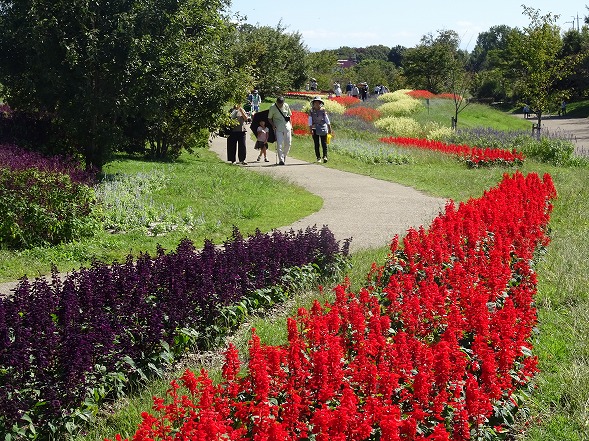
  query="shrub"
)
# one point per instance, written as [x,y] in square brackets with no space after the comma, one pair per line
[331,106]
[399,126]
[400,94]
[403,107]
[435,131]
[553,151]
[43,208]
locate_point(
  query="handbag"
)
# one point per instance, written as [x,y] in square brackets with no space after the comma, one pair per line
[286,118]
[321,129]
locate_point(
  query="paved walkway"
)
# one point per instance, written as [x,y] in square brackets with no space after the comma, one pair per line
[576,128]
[368,210]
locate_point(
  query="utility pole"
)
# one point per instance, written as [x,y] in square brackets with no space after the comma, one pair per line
[571,22]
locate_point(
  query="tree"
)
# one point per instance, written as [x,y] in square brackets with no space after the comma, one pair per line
[323,66]
[378,72]
[488,83]
[186,73]
[374,52]
[575,43]
[396,55]
[276,59]
[536,63]
[111,71]
[429,64]
[487,44]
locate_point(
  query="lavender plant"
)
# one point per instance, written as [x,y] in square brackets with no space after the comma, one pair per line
[552,147]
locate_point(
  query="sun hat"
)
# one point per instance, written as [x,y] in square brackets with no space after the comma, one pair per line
[255,91]
[317,98]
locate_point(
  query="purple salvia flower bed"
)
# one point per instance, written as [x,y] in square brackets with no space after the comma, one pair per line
[16,158]
[54,335]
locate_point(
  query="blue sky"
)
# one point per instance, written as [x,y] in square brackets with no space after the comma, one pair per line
[329,25]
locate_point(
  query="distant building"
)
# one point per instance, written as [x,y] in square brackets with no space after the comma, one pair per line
[346,63]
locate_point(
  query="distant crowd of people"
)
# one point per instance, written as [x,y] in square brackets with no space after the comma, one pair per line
[358,90]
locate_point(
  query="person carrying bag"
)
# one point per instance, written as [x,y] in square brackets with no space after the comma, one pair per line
[279,116]
[320,127]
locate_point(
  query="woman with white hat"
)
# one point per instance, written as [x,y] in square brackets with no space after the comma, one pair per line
[319,126]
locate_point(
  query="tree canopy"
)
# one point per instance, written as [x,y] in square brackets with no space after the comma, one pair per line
[429,65]
[119,72]
[535,63]
[276,59]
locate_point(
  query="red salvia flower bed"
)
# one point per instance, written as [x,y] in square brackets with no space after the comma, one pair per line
[421,94]
[438,338]
[345,100]
[366,113]
[474,156]
[300,123]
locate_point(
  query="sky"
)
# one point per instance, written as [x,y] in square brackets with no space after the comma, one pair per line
[330,25]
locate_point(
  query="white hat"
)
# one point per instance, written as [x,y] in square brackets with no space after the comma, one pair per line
[317,98]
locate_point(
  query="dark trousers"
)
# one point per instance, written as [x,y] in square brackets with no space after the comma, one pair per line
[323,145]
[236,144]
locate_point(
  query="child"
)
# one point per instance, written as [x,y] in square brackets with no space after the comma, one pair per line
[262,140]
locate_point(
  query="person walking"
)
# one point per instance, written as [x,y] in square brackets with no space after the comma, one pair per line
[279,116]
[319,127]
[236,139]
[364,91]
[526,111]
[256,100]
[262,140]
[349,88]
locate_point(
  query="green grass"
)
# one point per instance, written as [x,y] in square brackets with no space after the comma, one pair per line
[560,405]
[219,196]
[474,115]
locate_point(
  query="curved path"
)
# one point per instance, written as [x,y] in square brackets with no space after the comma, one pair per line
[368,210]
